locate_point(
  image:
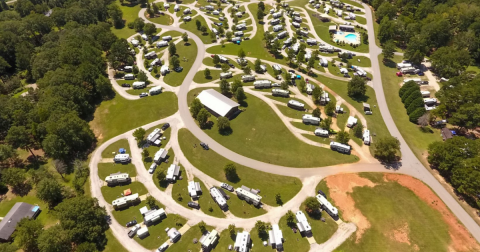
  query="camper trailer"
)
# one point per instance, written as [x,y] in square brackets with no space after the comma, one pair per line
[323,62]
[236,39]
[150,55]
[164,70]
[162,44]
[167,38]
[155,62]
[416,80]
[409,70]
[309,119]
[275,22]
[262,84]
[238,34]
[403,65]
[277,28]
[214,30]
[296,105]
[138,84]
[366,137]
[155,90]
[343,148]
[280,92]
[297,19]
[129,77]
[352,121]
[282,34]
[277,67]
[321,132]
[311,42]
[296,25]
[225,75]
[122,158]
[303,33]
[425,94]
[327,206]
[247,78]
[117,178]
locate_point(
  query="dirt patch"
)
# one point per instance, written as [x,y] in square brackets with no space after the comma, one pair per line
[340,186]
[461,238]
[400,234]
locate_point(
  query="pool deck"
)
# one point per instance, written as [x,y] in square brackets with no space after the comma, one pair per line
[341,36]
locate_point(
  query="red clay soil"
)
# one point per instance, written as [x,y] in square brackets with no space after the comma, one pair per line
[340,186]
[461,238]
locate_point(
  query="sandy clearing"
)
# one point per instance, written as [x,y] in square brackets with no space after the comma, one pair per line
[461,238]
[342,184]
[400,234]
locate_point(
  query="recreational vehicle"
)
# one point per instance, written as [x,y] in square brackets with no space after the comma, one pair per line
[343,148]
[155,90]
[321,132]
[246,78]
[122,158]
[162,44]
[296,105]
[309,119]
[280,92]
[327,206]
[129,77]
[150,55]
[262,84]
[138,84]
[225,75]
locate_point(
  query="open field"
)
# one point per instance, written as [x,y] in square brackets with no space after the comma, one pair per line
[200,76]
[186,54]
[157,231]
[163,167]
[180,189]
[364,61]
[110,119]
[225,240]
[416,138]
[212,164]
[130,12]
[161,19]
[105,169]
[114,192]
[361,20]
[191,26]
[395,212]
[122,143]
[241,208]
[206,202]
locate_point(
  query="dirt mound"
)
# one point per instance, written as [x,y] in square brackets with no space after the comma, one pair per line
[342,184]
[400,234]
[461,239]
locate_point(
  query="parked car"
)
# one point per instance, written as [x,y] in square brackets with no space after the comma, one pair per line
[125,85]
[231,65]
[165,126]
[133,231]
[421,73]
[150,69]
[143,95]
[204,145]
[193,205]
[131,223]
[226,187]
[291,71]
[399,74]
[368,112]
[152,168]
[322,193]
[178,69]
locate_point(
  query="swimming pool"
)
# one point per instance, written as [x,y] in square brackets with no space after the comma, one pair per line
[351,37]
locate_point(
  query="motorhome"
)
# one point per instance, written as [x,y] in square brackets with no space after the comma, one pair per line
[275,21]
[225,75]
[238,34]
[129,77]
[311,41]
[155,62]
[246,78]
[162,44]
[277,28]
[352,121]
[262,84]
[138,84]
[309,119]
[366,137]
[122,158]
[327,206]
[155,90]
[321,132]
[277,14]
[150,55]
[167,38]
[296,105]
[280,92]
[323,62]
[343,148]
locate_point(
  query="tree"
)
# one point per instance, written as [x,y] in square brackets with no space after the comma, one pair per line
[260,14]
[247,70]
[203,29]
[172,49]
[185,37]
[138,24]
[151,202]
[14,177]
[27,233]
[224,87]
[230,172]
[388,50]
[326,123]
[8,247]
[216,59]
[385,148]
[301,85]
[116,15]
[142,76]
[386,30]
[416,114]
[83,219]
[342,137]
[240,95]
[291,220]
[206,72]
[261,226]
[235,85]
[261,6]
[198,24]
[150,29]
[202,226]
[20,137]
[145,153]
[316,94]
[161,176]
[357,87]
[174,61]
[386,9]
[284,85]
[291,56]
[358,130]
[278,199]
[60,167]
[225,68]
[50,191]
[223,124]
[258,66]
[311,205]
[316,112]
[54,239]
[241,53]
[424,120]
[228,35]
[202,117]
[155,8]
[195,107]
[139,134]
[213,36]
[231,229]
[449,62]
[467,116]
[311,63]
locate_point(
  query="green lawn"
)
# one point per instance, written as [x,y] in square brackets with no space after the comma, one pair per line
[242,209]
[186,54]
[342,118]
[321,29]
[200,76]
[225,240]
[257,241]
[307,127]
[112,193]
[357,140]
[130,12]
[180,189]
[335,70]
[286,99]
[474,68]
[292,241]
[389,206]
[113,245]
[186,241]
[364,61]
[105,169]
[259,133]
[417,139]
[353,3]
[319,139]
[171,33]
[157,232]
[212,164]
[290,112]
[122,143]
[191,26]
[361,20]
[46,217]
[161,19]
[119,115]
[206,202]
[163,167]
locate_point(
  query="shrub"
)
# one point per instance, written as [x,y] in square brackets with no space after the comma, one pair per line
[417,114]
[406,86]
[409,92]
[413,96]
[417,103]
[130,25]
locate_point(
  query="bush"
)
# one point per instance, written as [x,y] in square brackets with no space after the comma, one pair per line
[413,96]
[417,103]
[406,86]
[409,92]
[416,114]
[130,25]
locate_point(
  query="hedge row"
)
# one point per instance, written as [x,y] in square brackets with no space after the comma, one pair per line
[412,100]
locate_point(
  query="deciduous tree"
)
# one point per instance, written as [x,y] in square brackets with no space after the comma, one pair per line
[357,87]
[202,117]
[195,107]
[27,233]
[50,191]
[385,148]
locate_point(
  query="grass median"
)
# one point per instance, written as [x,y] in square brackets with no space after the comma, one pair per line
[105,169]
[187,52]
[114,147]
[192,27]
[115,192]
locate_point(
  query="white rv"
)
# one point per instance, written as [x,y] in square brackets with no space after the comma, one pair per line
[167,38]
[187,18]
[280,92]
[366,137]
[225,75]
[309,119]
[187,11]
[262,84]
[214,30]
[282,34]
[325,204]
[352,121]
[425,93]
[246,78]
[277,67]
[122,158]
[296,105]
[343,148]
[155,90]
[311,41]
[323,62]
[155,62]
[164,70]
[162,44]
[275,22]
[296,25]
[297,19]
[129,77]
[238,33]
[138,84]
[150,55]
[277,28]
[321,132]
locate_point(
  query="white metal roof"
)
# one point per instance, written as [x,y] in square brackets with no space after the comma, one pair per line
[209,239]
[241,241]
[276,235]
[218,196]
[324,202]
[248,194]
[217,102]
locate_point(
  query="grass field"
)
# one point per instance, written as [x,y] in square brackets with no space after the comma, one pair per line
[45,217]
[130,12]
[161,19]
[122,143]
[364,61]
[112,193]
[212,164]
[289,112]
[191,26]
[112,243]
[388,206]
[186,54]
[417,139]
[318,139]
[241,208]
[225,240]
[119,115]
[293,241]
[163,167]
[258,133]
[180,189]
[105,169]
[185,243]
[307,127]
[171,33]
[361,20]
[342,118]
[200,76]
[157,231]
[286,99]
[207,203]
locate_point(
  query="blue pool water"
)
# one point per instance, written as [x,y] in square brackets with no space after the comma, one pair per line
[351,37]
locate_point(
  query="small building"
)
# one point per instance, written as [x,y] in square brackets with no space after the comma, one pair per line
[342,148]
[296,105]
[160,155]
[194,189]
[138,85]
[275,21]
[282,34]
[173,235]
[173,172]
[309,119]
[164,70]
[129,77]
[187,18]
[327,206]
[249,77]
[208,240]
[302,223]
[323,62]
[446,134]
[262,84]
[217,197]
[366,107]
[352,121]
[280,92]
[150,55]
[162,44]
[275,237]
[142,232]
[122,158]
[249,196]
[125,201]
[366,137]
[153,215]
[277,28]
[242,242]
[225,75]
[321,132]
[218,104]
[155,90]
[19,211]
[347,28]
[117,178]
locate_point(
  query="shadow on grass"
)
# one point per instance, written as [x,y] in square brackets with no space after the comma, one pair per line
[389,63]
[426,130]
[226,132]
